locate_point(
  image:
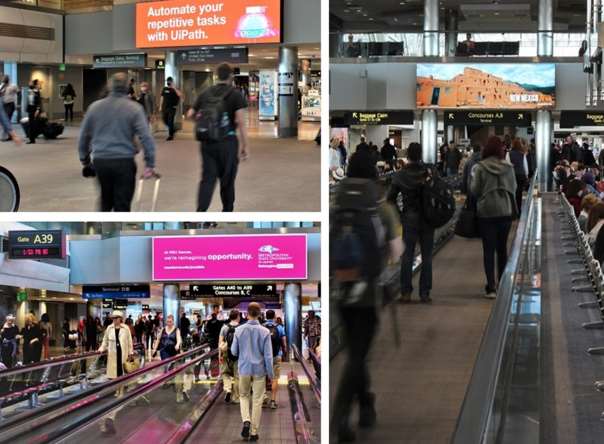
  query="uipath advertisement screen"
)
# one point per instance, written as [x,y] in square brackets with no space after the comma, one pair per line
[205,22]
[230,257]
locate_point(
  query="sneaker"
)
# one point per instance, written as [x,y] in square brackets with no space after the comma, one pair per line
[273,405]
[245,433]
[169,138]
[405,298]
[110,427]
[227,397]
[186,396]
[179,398]
[254,437]
[367,413]
[490,295]
[425,299]
[346,434]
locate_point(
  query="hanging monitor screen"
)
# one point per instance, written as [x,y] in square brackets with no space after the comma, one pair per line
[172,23]
[486,86]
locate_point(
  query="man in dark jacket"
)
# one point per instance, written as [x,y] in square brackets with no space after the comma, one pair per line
[452,160]
[588,157]
[388,153]
[408,182]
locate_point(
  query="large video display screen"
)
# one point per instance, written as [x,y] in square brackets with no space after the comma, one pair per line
[172,23]
[230,257]
[486,86]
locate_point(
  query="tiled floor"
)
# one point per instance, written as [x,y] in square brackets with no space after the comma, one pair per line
[421,386]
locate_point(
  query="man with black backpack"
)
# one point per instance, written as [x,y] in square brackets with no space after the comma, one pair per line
[221,128]
[279,344]
[427,203]
[228,361]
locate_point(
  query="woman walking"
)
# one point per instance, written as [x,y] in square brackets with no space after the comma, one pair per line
[69,96]
[32,340]
[169,344]
[494,186]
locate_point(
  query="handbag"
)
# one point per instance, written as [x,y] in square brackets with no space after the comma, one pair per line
[132,364]
[467,223]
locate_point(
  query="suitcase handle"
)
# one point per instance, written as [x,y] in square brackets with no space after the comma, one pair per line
[155,175]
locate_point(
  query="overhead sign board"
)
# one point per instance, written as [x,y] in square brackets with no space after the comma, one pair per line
[107,303]
[233,290]
[493,118]
[572,119]
[171,23]
[252,257]
[36,244]
[119,61]
[139,291]
[385,117]
[160,64]
[120,304]
[213,55]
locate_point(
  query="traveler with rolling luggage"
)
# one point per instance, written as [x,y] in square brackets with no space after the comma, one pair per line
[107,148]
[219,114]
[34,108]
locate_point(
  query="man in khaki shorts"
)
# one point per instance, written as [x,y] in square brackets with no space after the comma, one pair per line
[279,345]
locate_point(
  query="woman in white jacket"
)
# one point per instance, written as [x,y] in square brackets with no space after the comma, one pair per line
[117,342]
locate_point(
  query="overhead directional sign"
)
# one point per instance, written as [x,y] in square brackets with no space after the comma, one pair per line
[117,291]
[572,119]
[107,303]
[36,244]
[120,61]
[213,55]
[493,118]
[233,290]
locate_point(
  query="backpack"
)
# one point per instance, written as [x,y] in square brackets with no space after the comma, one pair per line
[212,120]
[438,202]
[230,335]
[275,338]
[358,238]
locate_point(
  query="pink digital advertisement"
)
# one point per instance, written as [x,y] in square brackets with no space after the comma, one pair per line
[230,257]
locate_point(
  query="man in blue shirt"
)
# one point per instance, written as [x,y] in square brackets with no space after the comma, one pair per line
[252,346]
[279,344]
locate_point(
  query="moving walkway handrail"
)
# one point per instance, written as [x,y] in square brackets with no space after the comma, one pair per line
[35,418]
[60,433]
[312,379]
[473,421]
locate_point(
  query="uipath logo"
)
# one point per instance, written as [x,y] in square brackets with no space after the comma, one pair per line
[268,249]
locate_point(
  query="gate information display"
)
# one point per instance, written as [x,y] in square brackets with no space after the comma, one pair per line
[230,257]
[205,22]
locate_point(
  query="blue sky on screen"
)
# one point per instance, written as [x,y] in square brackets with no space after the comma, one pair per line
[538,74]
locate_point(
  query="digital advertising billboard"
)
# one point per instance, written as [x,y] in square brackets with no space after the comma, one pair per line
[174,23]
[273,257]
[486,86]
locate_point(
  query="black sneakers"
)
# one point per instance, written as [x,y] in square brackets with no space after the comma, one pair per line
[254,437]
[245,433]
[227,397]
[367,413]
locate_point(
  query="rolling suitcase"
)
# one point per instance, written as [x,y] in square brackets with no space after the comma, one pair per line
[139,192]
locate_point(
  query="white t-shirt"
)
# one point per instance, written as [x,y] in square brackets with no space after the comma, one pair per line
[334,159]
[9,94]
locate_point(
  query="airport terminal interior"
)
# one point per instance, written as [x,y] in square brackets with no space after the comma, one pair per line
[468,80]
[84,43]
[67,284]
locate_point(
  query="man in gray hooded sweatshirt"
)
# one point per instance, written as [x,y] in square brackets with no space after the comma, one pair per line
[494,188]
[107,143]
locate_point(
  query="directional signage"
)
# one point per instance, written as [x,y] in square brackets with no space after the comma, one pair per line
[117,291]
[233,290]
[120,304]
[107,303]
[571,119]
[385,117]
[36,244]
[213,55]
[185,295]
[494,118]
[120,61]
[160,64]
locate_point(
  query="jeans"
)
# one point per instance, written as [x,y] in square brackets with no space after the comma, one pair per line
[220,162]
[168,116]
[452,171]
[494,232]
[117,178]
[425,236]
[257,385]
[68,112]
[360,326]
[521,185]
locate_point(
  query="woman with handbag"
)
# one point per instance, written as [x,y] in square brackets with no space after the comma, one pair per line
[117,342]
[494,187]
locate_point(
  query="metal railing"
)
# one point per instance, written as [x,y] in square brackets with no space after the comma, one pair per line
[482,419]
[315,383]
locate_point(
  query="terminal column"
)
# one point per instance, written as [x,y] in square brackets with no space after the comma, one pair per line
[292,301]
[288,91]
[451,35]
[431,28]
[171,301]
[171,70]
[543,145]
[429,135]
[545,36]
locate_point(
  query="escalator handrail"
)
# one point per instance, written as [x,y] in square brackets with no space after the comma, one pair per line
[312,379]
[473,420]
[53,362]
[300,417]
[316,362]
[60,433]
[29,417]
